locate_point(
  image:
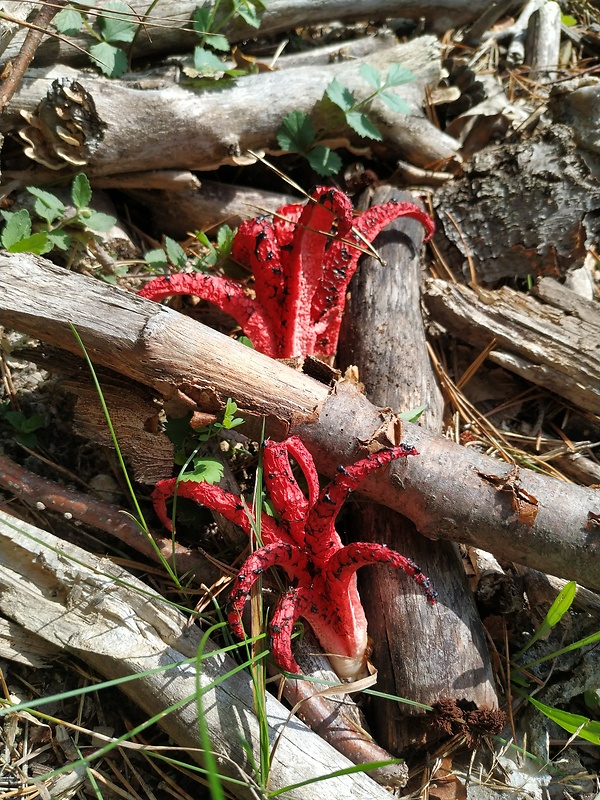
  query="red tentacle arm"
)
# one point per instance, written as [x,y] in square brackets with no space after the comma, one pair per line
[278,554]
[213,497]
[341,263]
[320,533]
[293,604]
[343,564]
[305,266]
[255,246]
[228,295]
[287,496]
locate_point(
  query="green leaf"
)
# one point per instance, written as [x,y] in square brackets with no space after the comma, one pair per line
[156,258]
[175,253]
[395,103]
[413,414]
[110,59]
[245,341]
[339,95]
[201,19]
[81,191]
[397,75]
[225,237]
[18,227]
[60,239]
[324,160]
[218,42]
[27,440]
[68,21]
[206,470]
[296,133]
[207,63]
[573,723]
[249,12]
[371,75]
[568,20]
[37,243]
[363,125]
[97,221]
[556,612]
[115,23]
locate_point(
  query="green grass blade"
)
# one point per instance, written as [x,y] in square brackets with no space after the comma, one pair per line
[338,774]
[140,516]
[583,727]
[591,639]
[556,612]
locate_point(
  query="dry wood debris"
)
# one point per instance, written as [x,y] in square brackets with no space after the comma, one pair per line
[502,145]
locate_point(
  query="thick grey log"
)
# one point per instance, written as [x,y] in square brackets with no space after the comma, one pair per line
[442,490]
[126,129]
[385,338]
[94,610]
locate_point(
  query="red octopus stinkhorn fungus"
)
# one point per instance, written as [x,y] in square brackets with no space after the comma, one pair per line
[304,543]
[302,265]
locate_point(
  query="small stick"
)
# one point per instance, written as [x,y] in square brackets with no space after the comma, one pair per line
[27,52]
[45,494]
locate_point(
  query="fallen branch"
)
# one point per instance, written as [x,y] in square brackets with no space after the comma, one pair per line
[447,491]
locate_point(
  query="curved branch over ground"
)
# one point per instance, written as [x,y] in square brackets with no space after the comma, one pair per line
[449,492]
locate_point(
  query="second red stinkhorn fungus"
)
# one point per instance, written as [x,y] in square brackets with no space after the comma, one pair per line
[304,543]
[302,265]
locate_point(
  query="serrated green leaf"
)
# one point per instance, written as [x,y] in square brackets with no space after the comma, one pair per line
[206,470]
[394,102]
[207,63]
[29,440]
[18,227]
[115,23]
[201,19]
[37,243]
[97,221]
[81,191]
[296,132]
[47,205]
[110,59]
[573,723]
[363,126]
[397,75]
[249,12]
[338,94]
[371,75]
[156,258]
[59,239]
[175,253]
[225,237]
[218,42]
[324,160]
[68,21]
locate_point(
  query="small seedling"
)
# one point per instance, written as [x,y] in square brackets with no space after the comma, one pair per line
[208,23]
[23,425]
[59,228]
[112,28]
[188,443]
[297,135]
[173,255]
